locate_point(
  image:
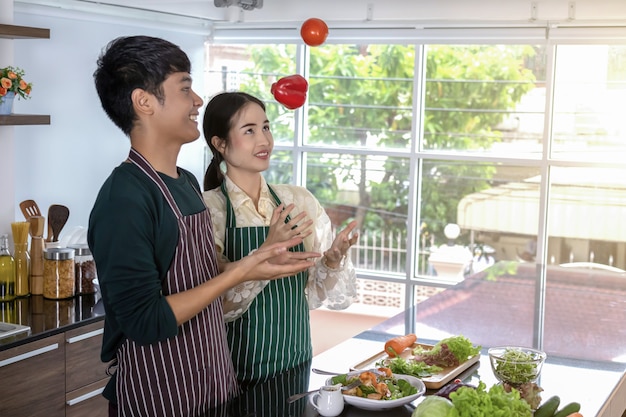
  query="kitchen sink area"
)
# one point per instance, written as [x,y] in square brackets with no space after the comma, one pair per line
[10,329]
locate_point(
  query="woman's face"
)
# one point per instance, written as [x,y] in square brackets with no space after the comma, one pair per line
[250,140]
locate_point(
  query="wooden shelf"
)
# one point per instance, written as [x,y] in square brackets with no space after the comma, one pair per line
[23,32]
[24,119]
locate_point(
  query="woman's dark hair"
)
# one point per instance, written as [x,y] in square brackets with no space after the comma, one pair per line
[218,120]
[134,62]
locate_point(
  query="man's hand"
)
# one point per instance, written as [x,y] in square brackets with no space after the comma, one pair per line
[275,261]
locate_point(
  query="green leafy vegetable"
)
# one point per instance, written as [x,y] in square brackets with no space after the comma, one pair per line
[433,406]
[450,351]
[367,389]
[478,402]
[403,388]
[398,388]
[516,366]
[343,379]
[417,369]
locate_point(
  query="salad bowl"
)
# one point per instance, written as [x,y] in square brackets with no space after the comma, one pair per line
[516,365]
[370,404]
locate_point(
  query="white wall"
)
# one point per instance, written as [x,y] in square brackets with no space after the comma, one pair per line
[7,133]
[67,161]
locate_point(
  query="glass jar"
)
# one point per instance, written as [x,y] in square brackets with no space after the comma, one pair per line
[85,269]
[58,273]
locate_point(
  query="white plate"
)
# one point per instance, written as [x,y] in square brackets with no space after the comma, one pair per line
[368,404]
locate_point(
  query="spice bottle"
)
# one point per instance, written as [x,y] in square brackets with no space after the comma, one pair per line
[58,273]
[7,270]
[85,269]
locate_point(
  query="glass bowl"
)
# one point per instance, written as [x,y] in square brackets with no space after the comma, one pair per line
[516,365]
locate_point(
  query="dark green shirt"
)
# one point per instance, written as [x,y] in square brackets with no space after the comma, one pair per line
[133,235]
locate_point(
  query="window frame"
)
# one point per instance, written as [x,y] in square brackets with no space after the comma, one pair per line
[539,33]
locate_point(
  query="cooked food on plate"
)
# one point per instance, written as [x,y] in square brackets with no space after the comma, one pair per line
[377,384]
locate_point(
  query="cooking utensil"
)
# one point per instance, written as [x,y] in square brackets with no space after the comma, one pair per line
[296,397]
[29,209]
[57,217]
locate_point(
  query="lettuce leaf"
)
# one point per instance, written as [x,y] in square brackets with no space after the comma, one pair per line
[433,406]
[450,351]
[496,402]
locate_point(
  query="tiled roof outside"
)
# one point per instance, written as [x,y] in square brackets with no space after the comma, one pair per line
[585,311]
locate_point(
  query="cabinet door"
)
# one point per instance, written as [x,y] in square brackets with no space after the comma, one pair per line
[87,401]
[32,379]
[82,356]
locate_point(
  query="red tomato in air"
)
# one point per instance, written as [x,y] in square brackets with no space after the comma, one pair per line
[314,31]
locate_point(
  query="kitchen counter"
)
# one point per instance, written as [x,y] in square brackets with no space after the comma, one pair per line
[590,384]
[47,317]
[593,385]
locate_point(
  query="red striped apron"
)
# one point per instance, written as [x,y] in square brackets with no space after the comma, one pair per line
[192,372]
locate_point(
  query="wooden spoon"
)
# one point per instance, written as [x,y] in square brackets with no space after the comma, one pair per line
[29,209]
[57,217]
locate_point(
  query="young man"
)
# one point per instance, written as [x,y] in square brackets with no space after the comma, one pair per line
[152,240]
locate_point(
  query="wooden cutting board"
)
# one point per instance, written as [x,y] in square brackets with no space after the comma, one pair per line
[435,381]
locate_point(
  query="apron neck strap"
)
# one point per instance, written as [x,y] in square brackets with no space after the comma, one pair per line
[230,212]
[143,164]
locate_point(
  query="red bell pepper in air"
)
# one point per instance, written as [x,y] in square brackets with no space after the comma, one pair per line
[290,91]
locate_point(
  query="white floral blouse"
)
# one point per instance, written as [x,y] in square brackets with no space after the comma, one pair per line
[333,288]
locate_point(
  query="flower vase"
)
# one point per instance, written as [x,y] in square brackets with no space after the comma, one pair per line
[6,103]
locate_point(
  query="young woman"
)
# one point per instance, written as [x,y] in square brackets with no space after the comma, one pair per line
[268,321]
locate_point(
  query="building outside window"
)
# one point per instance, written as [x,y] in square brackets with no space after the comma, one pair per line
[486,176]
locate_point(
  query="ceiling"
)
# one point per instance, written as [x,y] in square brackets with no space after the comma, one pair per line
[342,12]
[270,10]
[204,9]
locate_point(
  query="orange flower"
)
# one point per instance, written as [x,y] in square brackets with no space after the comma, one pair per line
[12,80]
[3,91]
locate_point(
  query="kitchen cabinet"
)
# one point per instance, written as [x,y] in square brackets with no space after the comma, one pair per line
[32,378]
[85,374]
[56,376]
[24,32]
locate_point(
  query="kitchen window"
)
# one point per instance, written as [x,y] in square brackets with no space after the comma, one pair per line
[486,176]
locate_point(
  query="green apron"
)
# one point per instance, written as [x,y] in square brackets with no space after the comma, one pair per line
[274,334]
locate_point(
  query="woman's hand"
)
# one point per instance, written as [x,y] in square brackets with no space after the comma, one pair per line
[281,231]
[343,241]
